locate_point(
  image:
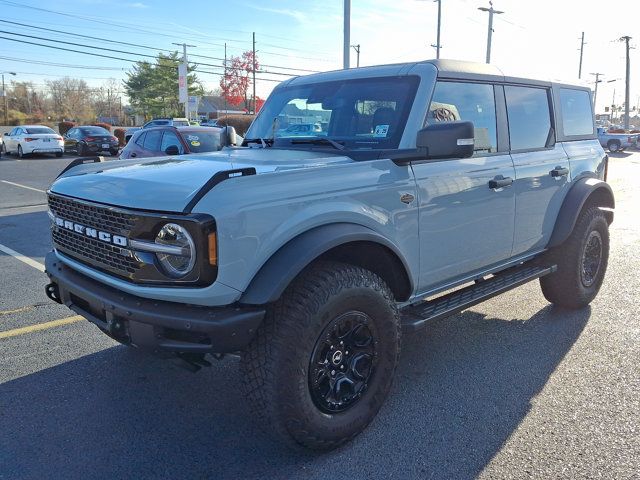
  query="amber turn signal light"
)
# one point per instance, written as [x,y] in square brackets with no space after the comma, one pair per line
[213,249]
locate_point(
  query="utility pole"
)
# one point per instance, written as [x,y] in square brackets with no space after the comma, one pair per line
[346,49]
[437,45]
[4,94]
[224,79]
[595,91]
[491,11]
[186,75]
[626,39]
[581,52]
[253,68]
[357,49]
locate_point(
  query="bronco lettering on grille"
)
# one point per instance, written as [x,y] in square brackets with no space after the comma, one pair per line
[91,232]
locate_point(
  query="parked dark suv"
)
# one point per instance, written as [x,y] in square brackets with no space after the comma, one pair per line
[89,140]
[167,140]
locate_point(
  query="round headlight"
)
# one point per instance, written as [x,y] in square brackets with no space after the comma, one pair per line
[180,262]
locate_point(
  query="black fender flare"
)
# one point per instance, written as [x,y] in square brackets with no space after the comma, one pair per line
[573,203]
[286,263]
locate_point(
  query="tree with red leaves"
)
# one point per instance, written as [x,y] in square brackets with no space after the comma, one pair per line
[236,81]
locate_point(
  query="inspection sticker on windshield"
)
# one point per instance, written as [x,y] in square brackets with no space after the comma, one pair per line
[381,131]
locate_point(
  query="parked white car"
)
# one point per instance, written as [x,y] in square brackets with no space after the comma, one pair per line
[28,139]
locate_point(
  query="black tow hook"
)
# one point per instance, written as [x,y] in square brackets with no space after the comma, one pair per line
[52,292]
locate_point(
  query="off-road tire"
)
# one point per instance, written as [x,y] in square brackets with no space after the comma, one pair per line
[566,287]
[275,366]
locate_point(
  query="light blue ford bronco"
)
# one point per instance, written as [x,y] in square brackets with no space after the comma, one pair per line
[420,190]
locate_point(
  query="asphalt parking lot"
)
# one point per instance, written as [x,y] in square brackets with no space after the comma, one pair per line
[512,388]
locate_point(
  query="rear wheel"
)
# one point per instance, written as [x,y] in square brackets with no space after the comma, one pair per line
[113,152]
[614,146]
[58,154]
[20,153]
[81,150]
[322,363]
[582,262]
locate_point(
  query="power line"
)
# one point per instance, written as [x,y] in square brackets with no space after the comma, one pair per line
[133,27]
[127,44]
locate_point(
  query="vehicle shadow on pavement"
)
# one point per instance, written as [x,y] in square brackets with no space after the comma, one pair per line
[462,388]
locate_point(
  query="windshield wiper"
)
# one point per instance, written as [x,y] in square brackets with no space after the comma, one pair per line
[318,141]
[265,142]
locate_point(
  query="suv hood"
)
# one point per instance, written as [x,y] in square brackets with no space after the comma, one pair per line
[167,184]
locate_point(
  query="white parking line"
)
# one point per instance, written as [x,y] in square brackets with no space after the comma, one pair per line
[23,186]
[22,258]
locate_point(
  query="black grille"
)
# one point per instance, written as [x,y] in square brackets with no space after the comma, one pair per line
[90,251]
[102,218]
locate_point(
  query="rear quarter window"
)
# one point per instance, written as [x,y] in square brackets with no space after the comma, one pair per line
[577,116]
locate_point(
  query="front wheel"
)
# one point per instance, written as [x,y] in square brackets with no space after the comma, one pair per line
[323,361]
[582,262]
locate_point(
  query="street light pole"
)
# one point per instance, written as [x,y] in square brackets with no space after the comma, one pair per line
[626,39]
[346,49]
[437,45]
[491,11]
[4,94]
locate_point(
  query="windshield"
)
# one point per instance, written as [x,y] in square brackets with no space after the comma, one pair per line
[38,130]
[202,141]
[94,131]
[366,113]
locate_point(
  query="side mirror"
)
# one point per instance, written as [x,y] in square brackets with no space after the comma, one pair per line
[6,134]
[228,136]
[447,140]
[172,150]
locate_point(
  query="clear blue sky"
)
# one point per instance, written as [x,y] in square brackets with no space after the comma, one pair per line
[535,38]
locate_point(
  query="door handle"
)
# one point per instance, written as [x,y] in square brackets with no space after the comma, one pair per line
[499,181]
[133,154]
[559,172]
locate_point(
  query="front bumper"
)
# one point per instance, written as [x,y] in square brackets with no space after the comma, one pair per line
[154,325]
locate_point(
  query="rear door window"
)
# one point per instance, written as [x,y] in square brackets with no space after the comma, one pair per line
[529,117]
[473,102]
[577,116]
[152,140]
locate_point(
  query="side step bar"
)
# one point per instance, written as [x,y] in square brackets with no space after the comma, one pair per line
[416,317]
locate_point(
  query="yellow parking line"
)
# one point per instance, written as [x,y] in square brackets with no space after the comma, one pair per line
[16,310]
[40,326]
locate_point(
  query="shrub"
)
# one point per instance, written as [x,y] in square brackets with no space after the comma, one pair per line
[14,117]
[64,127]
[106,126]
[119,134]
[239,122]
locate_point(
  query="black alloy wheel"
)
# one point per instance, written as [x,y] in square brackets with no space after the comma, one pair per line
[591,258]
[343,362]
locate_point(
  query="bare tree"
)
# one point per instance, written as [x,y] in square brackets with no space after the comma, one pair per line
[71,99]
